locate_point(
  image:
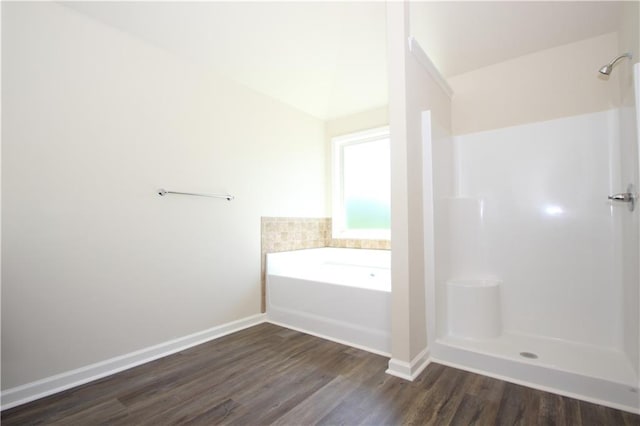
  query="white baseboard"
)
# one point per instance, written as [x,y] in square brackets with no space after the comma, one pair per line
[409,370]
[39,389]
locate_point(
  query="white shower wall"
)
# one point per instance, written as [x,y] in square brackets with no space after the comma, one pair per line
[547,229]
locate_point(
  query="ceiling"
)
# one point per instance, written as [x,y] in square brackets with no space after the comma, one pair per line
[328,59]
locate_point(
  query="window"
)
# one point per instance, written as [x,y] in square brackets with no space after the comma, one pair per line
[361,185]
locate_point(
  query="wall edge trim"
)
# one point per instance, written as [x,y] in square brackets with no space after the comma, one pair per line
[32,391]
[424,60]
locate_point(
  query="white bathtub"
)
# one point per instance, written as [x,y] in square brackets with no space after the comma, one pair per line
[336,293]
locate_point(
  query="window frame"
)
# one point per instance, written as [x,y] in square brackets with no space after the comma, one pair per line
[338,223]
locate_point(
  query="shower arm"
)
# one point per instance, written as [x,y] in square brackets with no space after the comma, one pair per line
[625,55]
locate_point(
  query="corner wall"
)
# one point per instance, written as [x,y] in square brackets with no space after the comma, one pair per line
[413,90]
[94,263]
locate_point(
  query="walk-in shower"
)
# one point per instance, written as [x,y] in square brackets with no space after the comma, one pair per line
[537,278]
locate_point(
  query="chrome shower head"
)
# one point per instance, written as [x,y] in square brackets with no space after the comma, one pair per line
[606,70]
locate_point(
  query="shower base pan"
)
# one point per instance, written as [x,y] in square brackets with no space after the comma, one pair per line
[602,376]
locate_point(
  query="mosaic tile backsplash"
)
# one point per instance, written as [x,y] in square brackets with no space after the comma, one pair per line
[295,233]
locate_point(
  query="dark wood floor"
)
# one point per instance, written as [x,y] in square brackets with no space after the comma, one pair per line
[272,375]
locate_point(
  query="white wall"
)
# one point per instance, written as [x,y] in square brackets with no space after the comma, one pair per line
[553,83]
[95,264]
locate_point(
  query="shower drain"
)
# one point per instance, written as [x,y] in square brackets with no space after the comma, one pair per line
[529,355]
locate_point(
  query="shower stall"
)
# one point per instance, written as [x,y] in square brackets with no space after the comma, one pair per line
[537,252]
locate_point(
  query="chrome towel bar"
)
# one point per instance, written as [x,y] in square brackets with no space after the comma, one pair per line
[163,192]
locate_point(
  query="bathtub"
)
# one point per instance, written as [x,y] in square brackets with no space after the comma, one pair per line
[335,293]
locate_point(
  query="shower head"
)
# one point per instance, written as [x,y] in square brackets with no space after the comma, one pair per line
[606,70]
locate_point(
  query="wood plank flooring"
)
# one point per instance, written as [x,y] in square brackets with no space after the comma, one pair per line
[271,375]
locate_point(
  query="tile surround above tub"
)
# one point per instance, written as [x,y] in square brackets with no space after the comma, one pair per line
[293,233]
[297,233]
